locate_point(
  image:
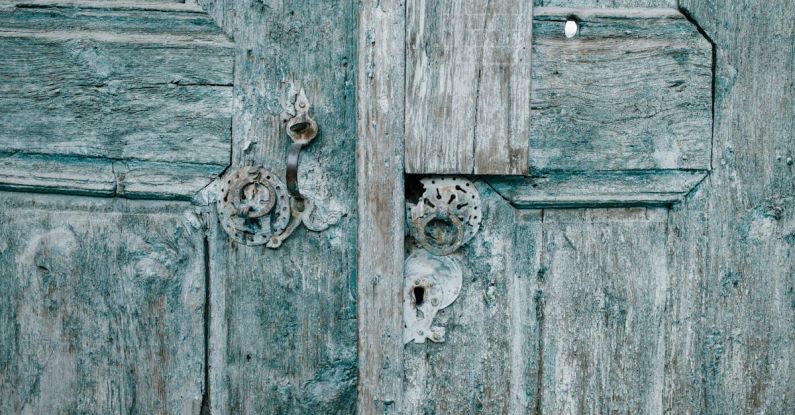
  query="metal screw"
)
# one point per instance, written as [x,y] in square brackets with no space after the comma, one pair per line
[435,302]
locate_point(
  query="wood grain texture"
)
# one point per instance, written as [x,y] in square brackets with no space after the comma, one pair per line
[603,289]
[631,91]
[91,83]
[102,310]
[736,239]
[380,194]
[606,3]
[491,335]
[599,188]
[468,86]
[283,322]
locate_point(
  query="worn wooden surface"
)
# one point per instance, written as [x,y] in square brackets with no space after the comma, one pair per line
[283,322]
[88,86]
[380,195]
[671,4]
[602,301]
[689,310]
[490,335]
[467,86]
[735,242]
[631,91]
[103,306]
[599,188]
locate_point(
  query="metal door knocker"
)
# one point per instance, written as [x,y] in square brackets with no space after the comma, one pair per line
[256,207]
[447,215]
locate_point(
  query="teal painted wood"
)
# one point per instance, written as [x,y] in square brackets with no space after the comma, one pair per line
[489,338]
[598,188]
[735,239]
[603,298]
[103,306]
[606,3]
[130,100]
[632,91]
[283,322]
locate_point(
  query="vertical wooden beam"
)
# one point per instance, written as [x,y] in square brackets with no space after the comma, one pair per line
[379,169]
[468,86]
[734,240]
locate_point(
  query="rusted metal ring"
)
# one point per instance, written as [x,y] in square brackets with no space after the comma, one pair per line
[253,220]
[236,190]
[444,249]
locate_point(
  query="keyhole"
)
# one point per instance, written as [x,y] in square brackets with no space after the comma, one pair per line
[419,295]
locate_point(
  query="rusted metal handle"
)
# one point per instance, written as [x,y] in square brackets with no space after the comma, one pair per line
[293,157]
[301,129]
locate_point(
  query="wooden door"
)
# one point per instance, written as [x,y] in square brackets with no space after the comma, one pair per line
[634,254]
[645,264]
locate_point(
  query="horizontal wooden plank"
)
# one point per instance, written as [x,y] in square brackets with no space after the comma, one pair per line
[102,306]
[467,86]
[605,3]
[603,188]
[104,177]
[118,17]
[157,5]
[124,84]
[631,91]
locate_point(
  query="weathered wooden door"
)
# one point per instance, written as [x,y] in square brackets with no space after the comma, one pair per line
[625,242]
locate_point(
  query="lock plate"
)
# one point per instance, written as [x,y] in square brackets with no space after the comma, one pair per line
[254,205]
[430,284]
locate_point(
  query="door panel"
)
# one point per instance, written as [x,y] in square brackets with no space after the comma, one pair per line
[684,308]
[283,326]
[603,299]
[108,99]
[106,305]
[103,306]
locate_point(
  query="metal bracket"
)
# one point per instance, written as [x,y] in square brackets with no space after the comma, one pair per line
[255,206]
[430,284]
[447,216]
